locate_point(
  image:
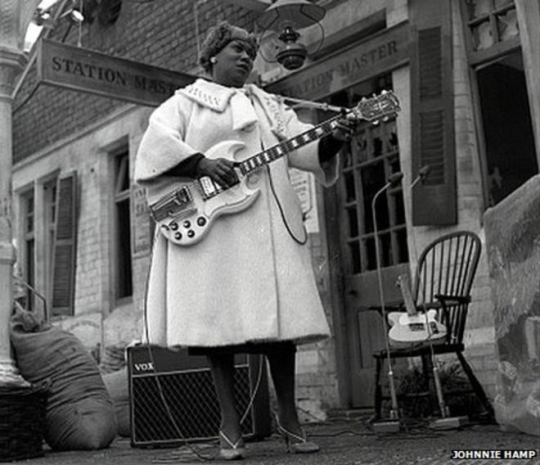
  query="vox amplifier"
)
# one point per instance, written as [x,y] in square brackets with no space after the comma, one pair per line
[172,397]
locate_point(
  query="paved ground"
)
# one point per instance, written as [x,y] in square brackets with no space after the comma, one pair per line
[342,441]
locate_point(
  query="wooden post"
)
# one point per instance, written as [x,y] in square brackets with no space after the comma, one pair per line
[14,18]
[11,64]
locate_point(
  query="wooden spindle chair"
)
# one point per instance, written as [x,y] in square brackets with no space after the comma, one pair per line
[443,280]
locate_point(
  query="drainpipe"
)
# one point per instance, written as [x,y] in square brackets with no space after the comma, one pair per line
[14,17]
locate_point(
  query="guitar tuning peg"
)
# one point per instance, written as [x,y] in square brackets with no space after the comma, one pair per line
[384,92]
[385,119]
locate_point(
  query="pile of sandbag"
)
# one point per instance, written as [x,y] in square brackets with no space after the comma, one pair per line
[80,413]
[113,369]
[116,383]
[513,249]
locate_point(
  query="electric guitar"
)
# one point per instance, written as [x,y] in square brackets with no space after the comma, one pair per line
[186,211]
[411,327]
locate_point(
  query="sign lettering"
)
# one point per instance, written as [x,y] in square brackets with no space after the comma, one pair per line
[144,366]
[93,72]
[382,53]
[142,232]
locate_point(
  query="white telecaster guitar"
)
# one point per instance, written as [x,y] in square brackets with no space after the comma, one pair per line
[412,327]
[185,213]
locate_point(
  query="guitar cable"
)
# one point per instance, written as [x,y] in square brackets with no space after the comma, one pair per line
[160,389]
[282,213]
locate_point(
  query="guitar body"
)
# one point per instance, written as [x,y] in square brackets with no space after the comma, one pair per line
[408,329]
[190,212]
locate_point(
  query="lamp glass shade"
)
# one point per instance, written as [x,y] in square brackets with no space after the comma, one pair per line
[296,13]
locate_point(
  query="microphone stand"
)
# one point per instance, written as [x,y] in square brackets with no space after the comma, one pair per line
[446,422]
[393,425]
[318,105]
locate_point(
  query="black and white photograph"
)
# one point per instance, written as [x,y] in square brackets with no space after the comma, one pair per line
[270,231]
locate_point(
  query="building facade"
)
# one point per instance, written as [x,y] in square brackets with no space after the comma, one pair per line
[466,73]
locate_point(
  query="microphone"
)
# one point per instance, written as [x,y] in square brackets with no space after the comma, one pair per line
[421,177]
[395,179]
[424,171]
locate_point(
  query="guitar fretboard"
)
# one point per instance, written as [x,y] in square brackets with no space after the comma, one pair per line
[282,149]
[371,109]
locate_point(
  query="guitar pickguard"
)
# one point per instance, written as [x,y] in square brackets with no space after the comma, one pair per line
[188,212]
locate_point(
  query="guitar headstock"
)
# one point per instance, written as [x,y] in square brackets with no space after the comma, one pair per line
[377,108]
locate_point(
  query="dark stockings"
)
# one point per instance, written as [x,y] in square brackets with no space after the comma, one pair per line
[222,368]
[282,360]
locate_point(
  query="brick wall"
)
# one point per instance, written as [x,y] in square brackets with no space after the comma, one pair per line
[479,337]
[316,363]
[480,349]
[164,36]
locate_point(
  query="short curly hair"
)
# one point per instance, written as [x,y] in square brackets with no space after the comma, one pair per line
[219,36]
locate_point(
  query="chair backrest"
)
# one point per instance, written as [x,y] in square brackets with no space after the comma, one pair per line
[447,266]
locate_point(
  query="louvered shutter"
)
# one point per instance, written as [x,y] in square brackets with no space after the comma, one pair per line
[64,254]
[432,112]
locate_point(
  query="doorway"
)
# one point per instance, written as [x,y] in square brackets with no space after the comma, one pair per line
[367,162]
[510,158]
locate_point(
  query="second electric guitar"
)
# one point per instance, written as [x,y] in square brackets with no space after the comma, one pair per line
[413,327]
[185,213]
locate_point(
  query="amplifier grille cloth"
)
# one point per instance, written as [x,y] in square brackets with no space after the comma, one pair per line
[190,399]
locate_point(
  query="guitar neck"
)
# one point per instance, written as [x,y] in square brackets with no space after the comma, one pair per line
[279,150]
[408,300]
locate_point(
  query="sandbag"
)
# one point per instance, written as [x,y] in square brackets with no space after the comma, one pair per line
[80,412]
[513,249]
[117,385]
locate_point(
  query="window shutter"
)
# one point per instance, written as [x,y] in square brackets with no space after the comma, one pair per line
[64,254]
[432,112]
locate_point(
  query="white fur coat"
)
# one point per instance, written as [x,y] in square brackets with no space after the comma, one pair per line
[248,280]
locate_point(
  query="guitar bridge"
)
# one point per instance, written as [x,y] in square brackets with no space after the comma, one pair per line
[172,204]
[209,188]
[417,326]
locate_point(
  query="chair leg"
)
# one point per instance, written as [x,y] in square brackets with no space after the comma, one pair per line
[427,367]
[477,387]
[378,389]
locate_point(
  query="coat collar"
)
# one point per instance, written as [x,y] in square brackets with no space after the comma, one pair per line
[209,94]
[217,97]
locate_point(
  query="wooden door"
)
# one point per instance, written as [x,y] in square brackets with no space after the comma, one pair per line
[369,160]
